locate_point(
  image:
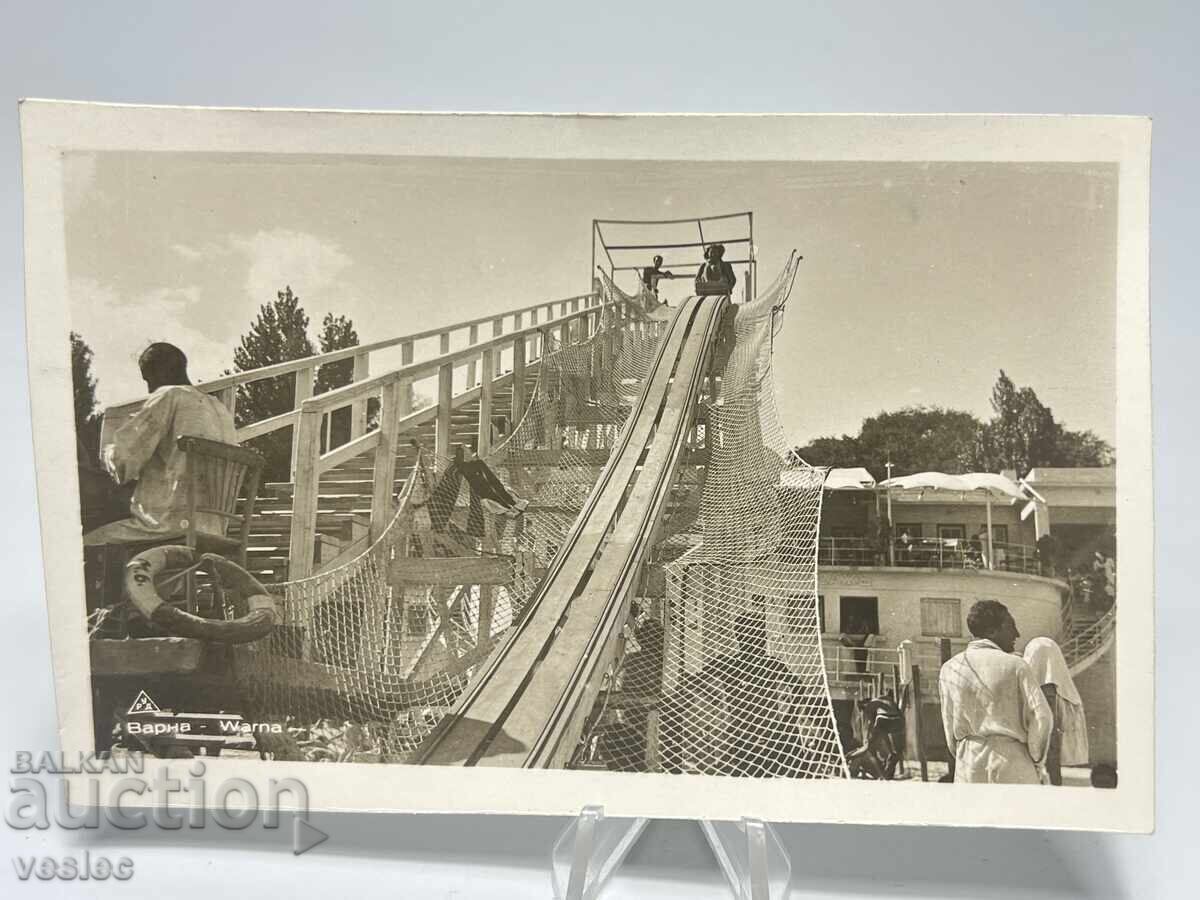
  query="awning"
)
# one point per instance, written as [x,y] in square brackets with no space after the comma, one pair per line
[987,482]
[856,479]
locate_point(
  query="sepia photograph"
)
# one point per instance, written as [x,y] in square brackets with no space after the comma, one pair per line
[407,448]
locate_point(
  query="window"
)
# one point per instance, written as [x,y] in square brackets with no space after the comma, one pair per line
[941,617]
[952,532]
[859,615]
[912,529]
[821,612]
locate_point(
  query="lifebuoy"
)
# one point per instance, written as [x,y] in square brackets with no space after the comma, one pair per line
[260,618]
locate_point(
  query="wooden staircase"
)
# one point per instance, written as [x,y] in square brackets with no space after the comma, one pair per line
[344,495]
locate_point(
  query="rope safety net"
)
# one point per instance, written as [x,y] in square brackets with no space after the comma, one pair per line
[372,655]
[719,670]
[722,670]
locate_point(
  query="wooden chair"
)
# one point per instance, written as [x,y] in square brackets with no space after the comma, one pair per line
[215,475]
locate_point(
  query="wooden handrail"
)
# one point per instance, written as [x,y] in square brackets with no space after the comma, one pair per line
[343,396]
[320,359]
[394,390]
[227,384]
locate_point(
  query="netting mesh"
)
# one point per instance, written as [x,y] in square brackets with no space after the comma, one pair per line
[722,670]
[373,654]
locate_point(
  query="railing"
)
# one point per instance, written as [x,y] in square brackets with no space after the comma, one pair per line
[956,553]
[847,551]
[871,669]
[928,553]
[928,654]
[1077,648]
[524,320]
[579,319]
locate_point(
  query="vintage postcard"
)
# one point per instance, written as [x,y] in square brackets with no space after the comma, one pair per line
[693,466]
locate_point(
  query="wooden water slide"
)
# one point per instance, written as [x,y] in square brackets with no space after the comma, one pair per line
[527,705]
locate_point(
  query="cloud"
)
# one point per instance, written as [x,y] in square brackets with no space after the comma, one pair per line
[200,314]
[118,328]
[280,257]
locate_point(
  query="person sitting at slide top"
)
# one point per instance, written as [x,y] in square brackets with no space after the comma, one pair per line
[716,276]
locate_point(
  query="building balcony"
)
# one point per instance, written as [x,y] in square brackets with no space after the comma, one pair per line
[928,553]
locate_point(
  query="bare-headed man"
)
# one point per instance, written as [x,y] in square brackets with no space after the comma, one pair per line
[653,274]
[145,450]
[997,720]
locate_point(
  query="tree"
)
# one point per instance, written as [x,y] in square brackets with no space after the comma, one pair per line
[1023,435]
[337,333]
[1082,448]
[83,382]
[841,452]
[279,334]
[915,439]
[99,500]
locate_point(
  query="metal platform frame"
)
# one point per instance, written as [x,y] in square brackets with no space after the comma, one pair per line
[742,235]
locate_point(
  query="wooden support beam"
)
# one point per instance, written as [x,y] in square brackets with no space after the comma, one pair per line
[472,340]
[445,402]
[918,723]
[228,398]
[406,390]
[484,444]
[306,451]
[404,397]
[497,352]
[385,461]
[358,409]
[518,382]
[303,391]
[147,656]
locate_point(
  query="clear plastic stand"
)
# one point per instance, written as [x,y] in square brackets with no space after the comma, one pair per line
[592,848]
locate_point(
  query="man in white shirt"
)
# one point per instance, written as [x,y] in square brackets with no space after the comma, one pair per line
[997,720]
[145,449]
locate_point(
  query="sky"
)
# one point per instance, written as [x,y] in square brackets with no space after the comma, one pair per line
[920,281]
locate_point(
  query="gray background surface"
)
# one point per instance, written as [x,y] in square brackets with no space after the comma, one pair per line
[886,57]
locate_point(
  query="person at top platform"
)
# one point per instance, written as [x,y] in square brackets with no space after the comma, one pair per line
[997,721]
[145,450]
[653,274]
[716,276]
